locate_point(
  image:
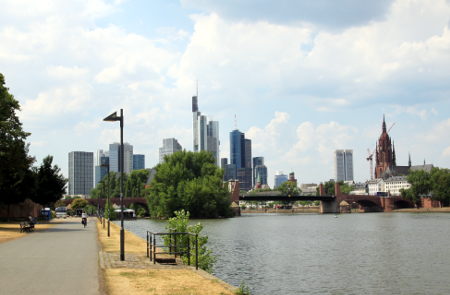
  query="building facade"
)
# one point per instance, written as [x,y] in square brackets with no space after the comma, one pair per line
[343,163]
[241,157]
[101,166]
[170,146]
[81,173]
[205,134]
[114,157]
[391,186]
[280,178]
[138,162]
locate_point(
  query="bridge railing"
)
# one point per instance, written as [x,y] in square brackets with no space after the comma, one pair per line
[171,243]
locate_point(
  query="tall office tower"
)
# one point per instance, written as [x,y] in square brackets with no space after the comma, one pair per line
[240,155]
[114,156]
[256,161]
[138,162]
[260,175]
[213,143]
[344,165]
[170,146]
[203,132]
[280,178]
[195,126]
[101,166]
[223,162]
[229,172]
[206,134]
[81,169]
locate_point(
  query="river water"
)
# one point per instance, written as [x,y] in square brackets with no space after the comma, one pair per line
[371,253]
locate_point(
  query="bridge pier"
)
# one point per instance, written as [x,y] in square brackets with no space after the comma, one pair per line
[329,206]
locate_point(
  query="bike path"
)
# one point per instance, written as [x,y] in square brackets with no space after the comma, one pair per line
[62,259]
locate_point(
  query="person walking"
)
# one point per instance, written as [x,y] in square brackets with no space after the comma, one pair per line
[84,219]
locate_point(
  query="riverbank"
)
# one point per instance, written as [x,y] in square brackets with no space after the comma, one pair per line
[137,275]
[283,211]
[424,210]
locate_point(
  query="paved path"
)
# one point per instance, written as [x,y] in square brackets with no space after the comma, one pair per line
[60,260]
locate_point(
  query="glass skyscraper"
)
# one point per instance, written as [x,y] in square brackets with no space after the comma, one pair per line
[81,170]
[138,162]
[343,165]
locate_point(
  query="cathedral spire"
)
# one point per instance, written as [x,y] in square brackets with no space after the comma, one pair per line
[384,124]
[393,155]
[409,159]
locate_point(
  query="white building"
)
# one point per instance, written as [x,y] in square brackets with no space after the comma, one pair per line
[343,164]
[390,186]
[170,146]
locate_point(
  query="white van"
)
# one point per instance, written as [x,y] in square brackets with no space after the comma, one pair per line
[61,212]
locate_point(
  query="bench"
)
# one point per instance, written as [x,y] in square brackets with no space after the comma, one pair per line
[26,227]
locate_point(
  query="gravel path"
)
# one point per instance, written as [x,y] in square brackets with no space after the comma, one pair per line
[60,260]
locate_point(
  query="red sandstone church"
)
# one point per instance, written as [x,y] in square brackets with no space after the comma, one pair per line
[386,165]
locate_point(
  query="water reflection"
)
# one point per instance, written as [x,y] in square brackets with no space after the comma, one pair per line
[378,253]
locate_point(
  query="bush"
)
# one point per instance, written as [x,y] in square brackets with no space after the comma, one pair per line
[180,223]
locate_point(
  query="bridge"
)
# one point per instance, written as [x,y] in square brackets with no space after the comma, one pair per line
[332,204]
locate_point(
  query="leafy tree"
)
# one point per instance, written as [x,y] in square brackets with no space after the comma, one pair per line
[78,203]
[289,188]
[421,185]
[16,179]
[50,183]
[135,183]
[440,185]
[180,223]
[328,187]
[189,181]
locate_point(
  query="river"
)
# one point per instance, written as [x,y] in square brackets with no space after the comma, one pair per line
[371,253]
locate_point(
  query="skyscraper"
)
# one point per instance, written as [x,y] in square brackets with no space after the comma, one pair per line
[241,157]
[205,134]
[280,178]
[259,171]
[114,156]
[81,169]
[101,166]
[344,165]
[212,142]
[170,146]
[256,161]
[138,162]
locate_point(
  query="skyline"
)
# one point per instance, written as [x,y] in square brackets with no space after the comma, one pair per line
[302,84]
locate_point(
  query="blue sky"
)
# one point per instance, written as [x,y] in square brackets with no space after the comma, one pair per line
[303,78]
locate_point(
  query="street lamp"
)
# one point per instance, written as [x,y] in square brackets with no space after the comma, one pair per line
[112,118]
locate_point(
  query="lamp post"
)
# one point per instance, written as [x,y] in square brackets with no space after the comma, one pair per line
[112,118]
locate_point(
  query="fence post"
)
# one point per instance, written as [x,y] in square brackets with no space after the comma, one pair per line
[154,249]
[147,244]
[189,248]
[175,244]
[196,251]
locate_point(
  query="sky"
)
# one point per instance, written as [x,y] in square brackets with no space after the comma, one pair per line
[302,78]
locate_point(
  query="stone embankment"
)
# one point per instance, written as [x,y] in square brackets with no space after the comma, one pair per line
[137,275]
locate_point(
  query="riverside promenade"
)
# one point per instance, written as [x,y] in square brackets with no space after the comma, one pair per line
[62,259]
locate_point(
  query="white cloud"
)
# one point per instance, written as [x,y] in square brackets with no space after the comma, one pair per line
[446,152]
[56,102]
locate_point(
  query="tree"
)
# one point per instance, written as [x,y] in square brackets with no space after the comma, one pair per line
[440,185]
[50,183]
[78,203]
[16,179]
[189,181]
[420,181]
[328,187]
[289,188]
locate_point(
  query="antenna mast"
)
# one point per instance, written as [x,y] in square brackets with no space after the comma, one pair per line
[235,122]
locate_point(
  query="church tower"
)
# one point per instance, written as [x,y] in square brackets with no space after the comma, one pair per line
[385,157]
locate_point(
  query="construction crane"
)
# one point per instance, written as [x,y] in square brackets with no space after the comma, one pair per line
[391,127]
[370,159]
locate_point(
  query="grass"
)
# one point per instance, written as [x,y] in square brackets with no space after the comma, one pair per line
[11,230]
[168,281]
